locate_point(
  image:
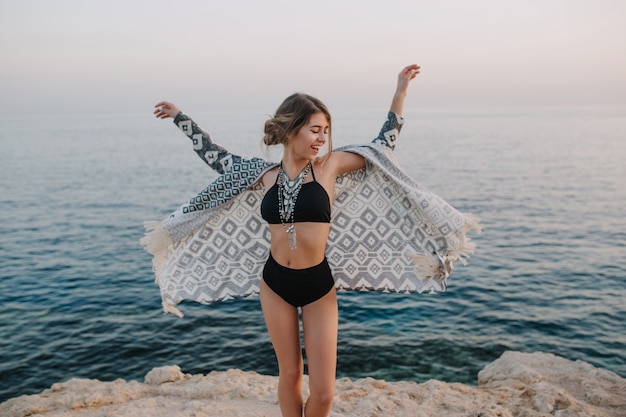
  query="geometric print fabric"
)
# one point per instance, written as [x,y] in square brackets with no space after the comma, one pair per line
[388,233]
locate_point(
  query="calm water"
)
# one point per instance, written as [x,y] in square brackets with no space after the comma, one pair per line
[78,298]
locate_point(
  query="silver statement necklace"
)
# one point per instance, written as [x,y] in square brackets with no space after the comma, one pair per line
[288,191]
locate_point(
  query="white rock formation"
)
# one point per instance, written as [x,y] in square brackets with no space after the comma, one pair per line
[517,384]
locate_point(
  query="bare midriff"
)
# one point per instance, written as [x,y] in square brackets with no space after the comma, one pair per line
[311,244]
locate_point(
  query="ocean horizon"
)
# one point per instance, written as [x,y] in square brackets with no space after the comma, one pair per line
[549,273]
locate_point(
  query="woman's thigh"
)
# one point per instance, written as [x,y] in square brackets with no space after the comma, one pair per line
[281,319]
[320,323]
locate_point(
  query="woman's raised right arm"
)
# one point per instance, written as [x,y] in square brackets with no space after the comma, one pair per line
[210,152]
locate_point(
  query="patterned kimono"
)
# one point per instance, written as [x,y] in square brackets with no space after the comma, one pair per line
[388,233]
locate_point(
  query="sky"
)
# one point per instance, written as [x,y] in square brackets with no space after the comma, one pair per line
[123,56]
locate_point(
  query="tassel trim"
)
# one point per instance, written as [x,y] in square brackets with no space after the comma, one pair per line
[169,308]
[156,241]
[440,265]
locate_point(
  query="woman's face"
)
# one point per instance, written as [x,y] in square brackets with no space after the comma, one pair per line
[309,140]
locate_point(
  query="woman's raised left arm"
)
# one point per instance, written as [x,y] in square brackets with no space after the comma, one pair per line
[388,134]
[404,79]
[348,161]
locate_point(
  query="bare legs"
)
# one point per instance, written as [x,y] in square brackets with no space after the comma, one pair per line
[281,319]
[320,322]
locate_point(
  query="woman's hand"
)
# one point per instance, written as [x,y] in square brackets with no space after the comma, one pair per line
[166,109]
[404,79]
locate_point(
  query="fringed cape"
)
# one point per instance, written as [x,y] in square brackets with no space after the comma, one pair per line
[388,233]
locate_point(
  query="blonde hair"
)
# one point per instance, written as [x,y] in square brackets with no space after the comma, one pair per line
[294,113]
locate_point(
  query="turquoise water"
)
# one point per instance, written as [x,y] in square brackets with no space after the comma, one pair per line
[78,298]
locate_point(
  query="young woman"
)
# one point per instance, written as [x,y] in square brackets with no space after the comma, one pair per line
[296,197]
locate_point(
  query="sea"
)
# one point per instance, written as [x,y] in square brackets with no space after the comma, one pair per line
[78,298]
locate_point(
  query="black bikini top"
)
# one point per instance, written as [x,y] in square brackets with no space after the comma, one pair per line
[312,204]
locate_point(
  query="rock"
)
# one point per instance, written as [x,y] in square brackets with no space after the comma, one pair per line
[517,384]
[158,376]
[554,385]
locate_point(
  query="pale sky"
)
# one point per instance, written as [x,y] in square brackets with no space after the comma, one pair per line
[111,56]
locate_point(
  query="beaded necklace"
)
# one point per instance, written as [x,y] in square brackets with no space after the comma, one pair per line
[288,191]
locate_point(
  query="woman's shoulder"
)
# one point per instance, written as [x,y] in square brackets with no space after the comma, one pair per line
[342,161]
[269,177]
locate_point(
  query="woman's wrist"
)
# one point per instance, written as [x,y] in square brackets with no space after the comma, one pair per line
[178,116]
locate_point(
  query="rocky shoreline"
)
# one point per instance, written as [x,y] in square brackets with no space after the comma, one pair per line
[517,384]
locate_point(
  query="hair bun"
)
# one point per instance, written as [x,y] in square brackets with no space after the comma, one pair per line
[274,132]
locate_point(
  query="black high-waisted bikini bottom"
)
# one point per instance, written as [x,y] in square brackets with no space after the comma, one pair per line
[298,287]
